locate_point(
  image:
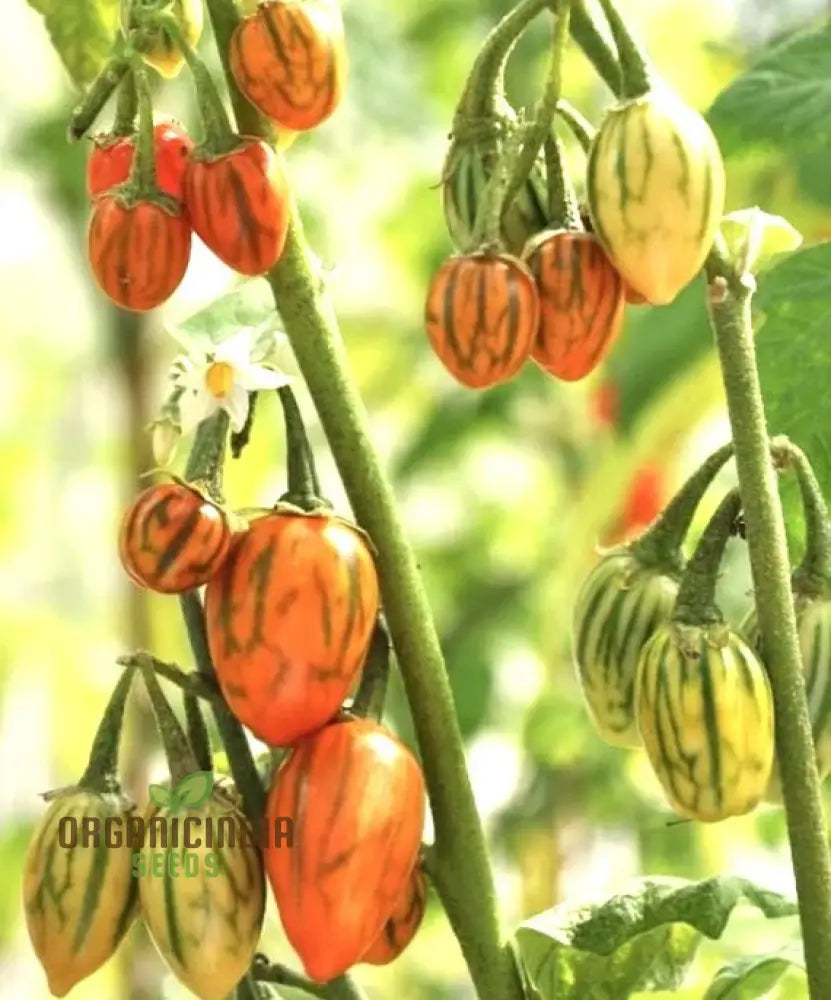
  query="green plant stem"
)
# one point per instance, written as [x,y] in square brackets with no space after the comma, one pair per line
[812,577]
[468,895]
[636,78]
[581,128]
[544,119]
[205,462]
[729,301]
[200,741]
[179,755]
[595,47]
[97,95]
[299,458]
[240,758]
[189,681]
[143,169]
[126,107]
[100,773]
[696,601]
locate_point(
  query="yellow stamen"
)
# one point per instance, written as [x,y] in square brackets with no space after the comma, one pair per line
[219,378]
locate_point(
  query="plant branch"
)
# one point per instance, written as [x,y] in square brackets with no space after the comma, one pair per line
[595,47]
[729,302]
[469,894]
[189,681]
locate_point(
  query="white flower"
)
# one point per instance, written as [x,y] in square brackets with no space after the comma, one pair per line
[221,378]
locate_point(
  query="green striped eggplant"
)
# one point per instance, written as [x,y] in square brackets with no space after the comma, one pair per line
[79,895]
[468,168]
[202,899]
[705,714]
[655,189]
[620,605]
[813,618]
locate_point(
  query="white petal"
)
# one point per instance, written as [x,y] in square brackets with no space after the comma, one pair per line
[236,350]
[194,407]
[236,406]
[253,377]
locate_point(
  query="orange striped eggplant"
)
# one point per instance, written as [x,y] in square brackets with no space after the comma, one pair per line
[581,303]
[289,60]
[356,797]
[138,249]
[482,314]
[239,205]
[403,923]
[172,538]
[290,616]
[112,156]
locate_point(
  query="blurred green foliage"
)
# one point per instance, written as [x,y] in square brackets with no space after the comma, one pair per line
[505,493]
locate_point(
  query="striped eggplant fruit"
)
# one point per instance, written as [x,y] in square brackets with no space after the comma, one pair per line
[813,619]
[655,188]
[619,607]
[203,905]
[705,713]
[78,900]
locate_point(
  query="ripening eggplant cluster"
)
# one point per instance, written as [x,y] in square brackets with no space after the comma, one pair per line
[288,58]
[291,604]
[550,286]
[659,666]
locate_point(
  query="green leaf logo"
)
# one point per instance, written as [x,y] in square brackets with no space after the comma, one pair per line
[192,790]
[159,795]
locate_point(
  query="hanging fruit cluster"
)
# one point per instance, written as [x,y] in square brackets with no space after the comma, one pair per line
[660,667]
[291,619]
[152,187]
[535,279]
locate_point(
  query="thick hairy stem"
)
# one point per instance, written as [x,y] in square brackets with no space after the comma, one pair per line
[595,47]
[468,892]
[731,319]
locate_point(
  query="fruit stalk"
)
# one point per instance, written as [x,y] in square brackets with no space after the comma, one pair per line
[100,773]
[301,474]
[97,95]
[544,119]
[197,731]
[635,75]
[126,107]
[594,46]
[189,681]
[143,169]
[206,458]
[369,698]
[730,315]
[179,755]
[813,575]
[468,891]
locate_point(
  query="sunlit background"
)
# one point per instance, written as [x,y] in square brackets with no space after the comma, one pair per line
[504,493]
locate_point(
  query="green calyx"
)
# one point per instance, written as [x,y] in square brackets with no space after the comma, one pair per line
[660,546]
[695,604]
[636,77]
[100,774]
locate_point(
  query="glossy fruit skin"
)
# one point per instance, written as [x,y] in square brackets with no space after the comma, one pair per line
[289,616]
[239,206]
[481,314]
[206,927]
[159,51]
[138,251]
[813,621]
[74,934]
[172,538]
[655,187]
[403,923]
[619,607]
[581,303]
[356,795]
[705,714]
[111,158]
[289,59]
[465,179]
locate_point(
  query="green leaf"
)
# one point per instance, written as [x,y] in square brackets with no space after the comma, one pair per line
[159,795]
[643,939]
[750,977]
[783,99]
[193,789]
[250,304]
[82,33]
[794,300]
